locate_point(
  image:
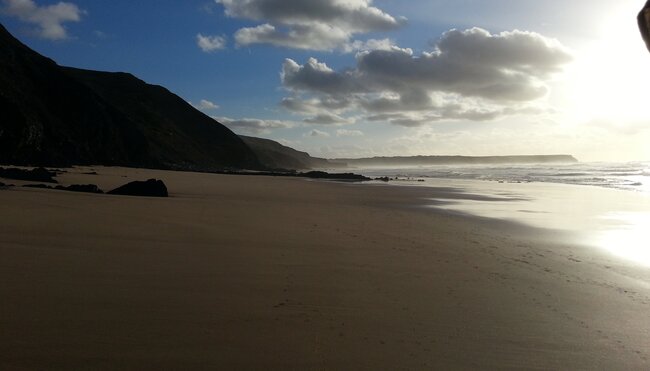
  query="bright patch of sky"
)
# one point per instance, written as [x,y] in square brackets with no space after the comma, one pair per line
[347,78]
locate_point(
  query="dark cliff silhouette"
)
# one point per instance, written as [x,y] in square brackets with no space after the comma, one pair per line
[60,116]
[644,23]
[274,155]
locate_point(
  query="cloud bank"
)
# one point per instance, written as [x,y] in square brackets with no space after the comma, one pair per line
[48,19]
[470,75]
[311,25]
[254,126]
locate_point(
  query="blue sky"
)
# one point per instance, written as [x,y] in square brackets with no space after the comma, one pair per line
[383,77]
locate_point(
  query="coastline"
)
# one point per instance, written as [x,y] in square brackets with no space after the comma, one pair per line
[246,272]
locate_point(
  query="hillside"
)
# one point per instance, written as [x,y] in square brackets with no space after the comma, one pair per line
[59,116]
[274,155]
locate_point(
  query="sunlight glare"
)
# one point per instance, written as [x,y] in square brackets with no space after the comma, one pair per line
[631,237]
[609,77]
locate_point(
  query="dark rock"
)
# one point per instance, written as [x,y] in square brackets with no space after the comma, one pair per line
[35,175]
[38,186]
[150,188]
[85,188]
[383,179]
[334,176]
[644,24]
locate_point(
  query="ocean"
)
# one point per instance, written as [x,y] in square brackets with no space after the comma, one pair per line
[603,205]
[629,176]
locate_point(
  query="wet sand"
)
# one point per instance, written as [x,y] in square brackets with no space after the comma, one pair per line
[245,272]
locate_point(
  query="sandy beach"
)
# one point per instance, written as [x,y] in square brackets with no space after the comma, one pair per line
[251,272]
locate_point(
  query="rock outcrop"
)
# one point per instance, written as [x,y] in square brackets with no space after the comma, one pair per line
[335,176]
[84,188]
[149,188]
[34,175]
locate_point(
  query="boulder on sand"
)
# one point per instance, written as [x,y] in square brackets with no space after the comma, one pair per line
[149,188]
[85,188]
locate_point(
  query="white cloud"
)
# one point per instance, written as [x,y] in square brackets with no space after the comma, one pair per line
[329,119]
[310,25]
[317,133]
[348,133]
[371,44]
[315,105]
[48,18]
[311,37]
[254,126]
[318,77]
[101,34]
[469,75]
[205,105]
[209,43]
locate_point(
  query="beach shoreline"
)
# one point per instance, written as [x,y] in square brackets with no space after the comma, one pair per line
[271,272]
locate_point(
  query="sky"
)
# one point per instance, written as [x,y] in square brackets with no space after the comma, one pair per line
[361,78]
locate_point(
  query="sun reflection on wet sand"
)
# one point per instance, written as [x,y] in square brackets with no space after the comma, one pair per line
[614,221]
[629,238]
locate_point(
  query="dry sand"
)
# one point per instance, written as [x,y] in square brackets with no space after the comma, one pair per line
[247,272]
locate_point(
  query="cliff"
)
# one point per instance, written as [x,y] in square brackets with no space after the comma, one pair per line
[274,155]
[60,116]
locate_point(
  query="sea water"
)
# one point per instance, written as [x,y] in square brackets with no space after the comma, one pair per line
[632,176]
[606,204]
